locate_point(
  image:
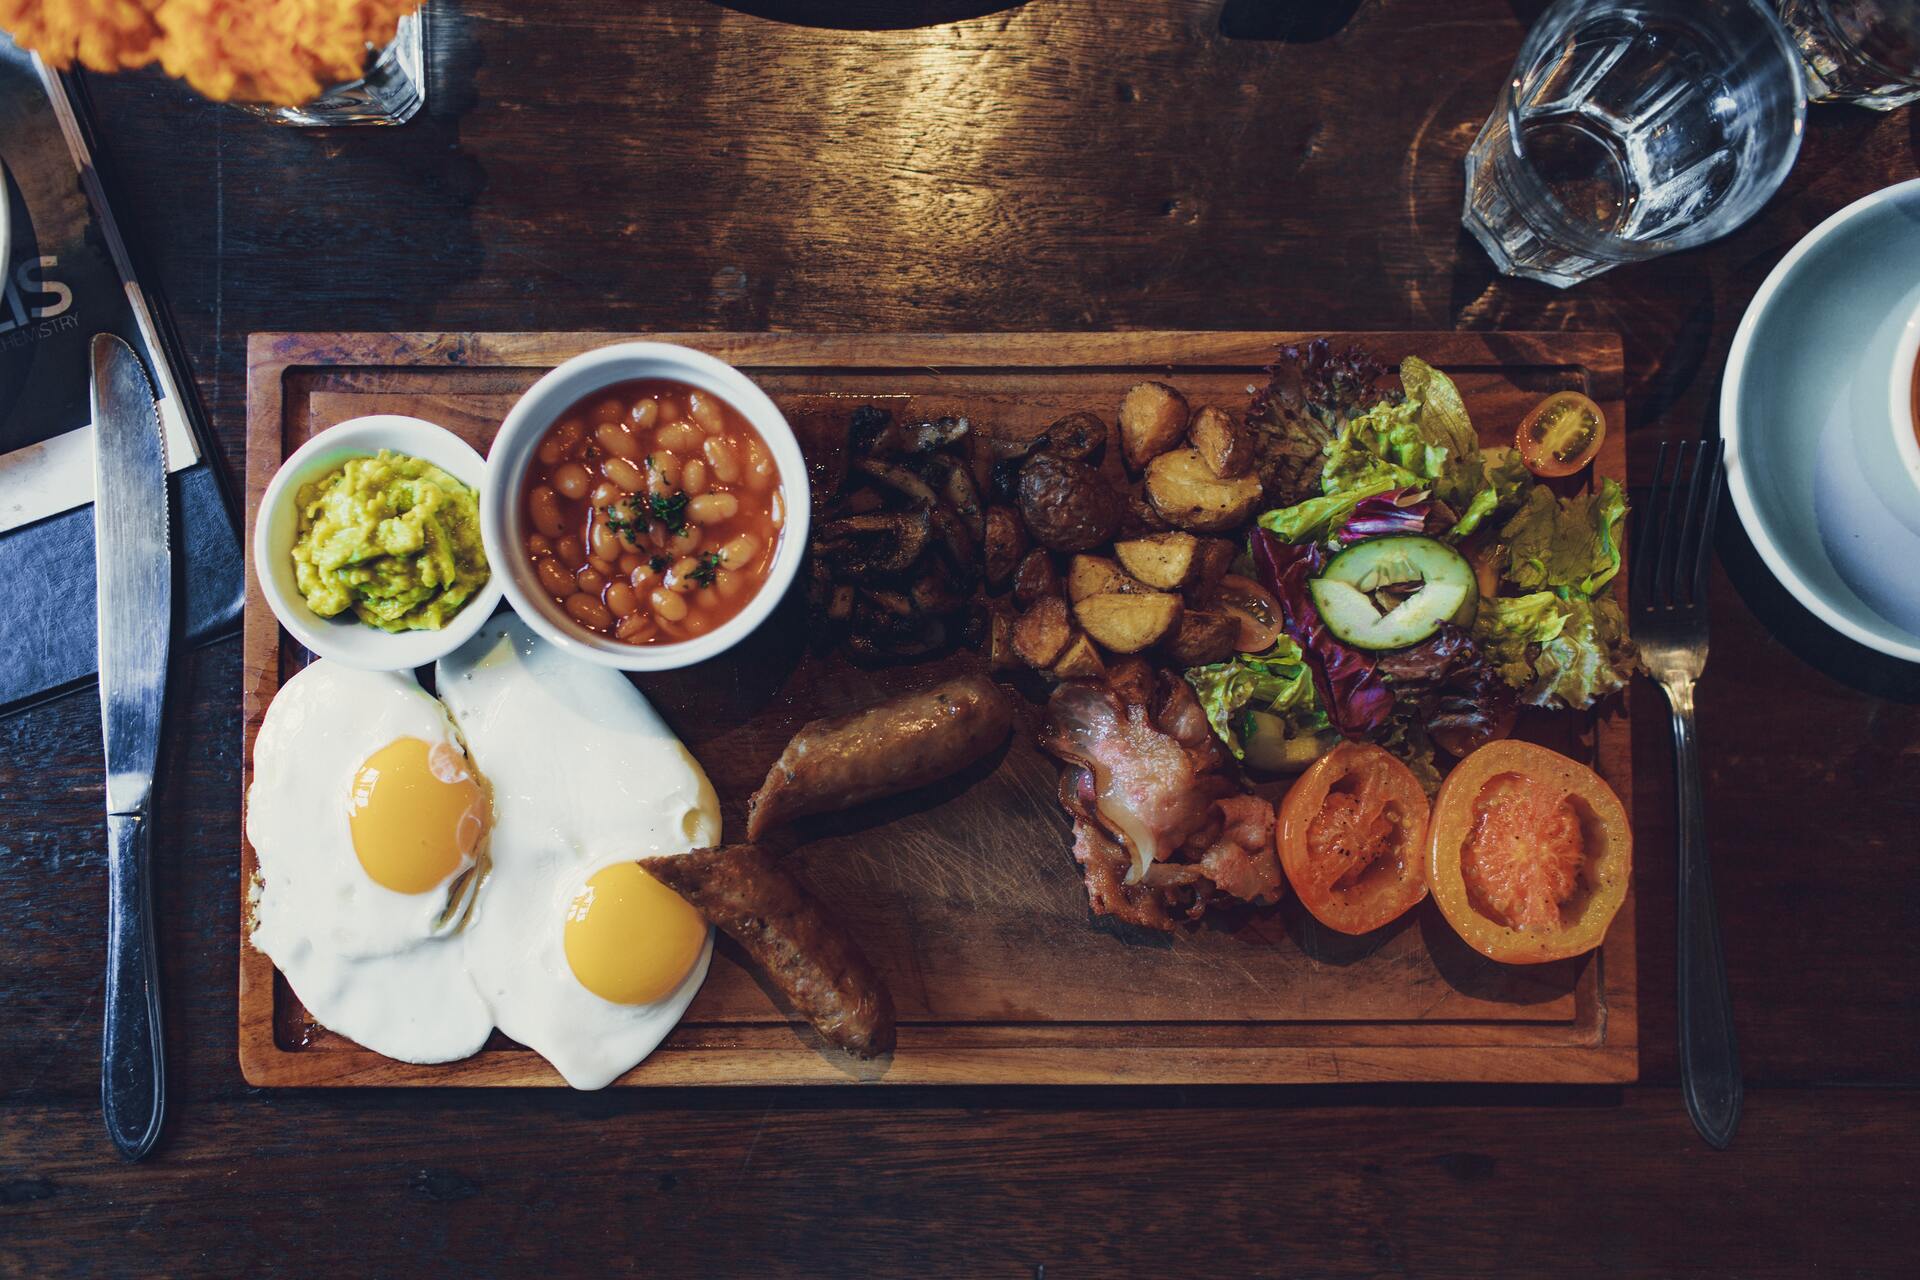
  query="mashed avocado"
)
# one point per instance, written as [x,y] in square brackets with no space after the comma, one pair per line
[394,538]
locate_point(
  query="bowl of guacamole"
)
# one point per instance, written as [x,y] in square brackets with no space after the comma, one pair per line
[393,538]
[367,544]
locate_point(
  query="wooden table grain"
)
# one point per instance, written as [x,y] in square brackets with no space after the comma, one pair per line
[1058,164]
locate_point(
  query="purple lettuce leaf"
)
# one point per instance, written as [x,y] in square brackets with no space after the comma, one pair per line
[1397,511]
[1353,693]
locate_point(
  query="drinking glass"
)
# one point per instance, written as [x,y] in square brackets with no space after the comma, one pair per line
[391,92]
[1866,52]
[1631,128]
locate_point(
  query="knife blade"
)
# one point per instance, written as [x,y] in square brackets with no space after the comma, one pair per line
[134,575]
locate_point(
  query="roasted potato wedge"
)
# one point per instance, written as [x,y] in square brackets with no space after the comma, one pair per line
[1096,576]
[1226,444]
[1165,560]
[1202,636]
[1035,577]
[1183,488]
[1041,634]
[1127,622]
[1068,506]
[1081,661]
[1212,560]
[1080,436]
[1006,542]
[1153,417]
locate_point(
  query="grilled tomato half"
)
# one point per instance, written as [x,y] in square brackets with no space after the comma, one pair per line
[1528,853]
[1352,838]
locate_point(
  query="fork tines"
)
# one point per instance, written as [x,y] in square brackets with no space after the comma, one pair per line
[1673,538]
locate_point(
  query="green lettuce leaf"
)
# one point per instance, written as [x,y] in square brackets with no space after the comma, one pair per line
[1317,518]
[1501,478]
[1425,441]
[1311,390]
[1484,504]
[1414,444]
[1443,414]
[1276,681]
[1589,659]
[1567,545]
[1386,440]
[1407,740]
[1556,651]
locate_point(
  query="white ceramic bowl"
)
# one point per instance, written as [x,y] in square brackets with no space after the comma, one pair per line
[1903,416]
[1804,411]
[345,637]
[503,518]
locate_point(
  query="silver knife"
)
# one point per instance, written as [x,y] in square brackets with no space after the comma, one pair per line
[134,572]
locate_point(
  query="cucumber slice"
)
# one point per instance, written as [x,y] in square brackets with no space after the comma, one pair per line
[1388,593]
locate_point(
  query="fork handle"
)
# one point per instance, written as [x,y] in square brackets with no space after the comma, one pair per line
[1709,1055]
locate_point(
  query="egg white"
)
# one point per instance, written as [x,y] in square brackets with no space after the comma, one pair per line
[583,773]
[382,968]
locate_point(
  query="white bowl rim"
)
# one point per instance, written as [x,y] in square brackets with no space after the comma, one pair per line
[369,647]
[540,406]
[1731,383]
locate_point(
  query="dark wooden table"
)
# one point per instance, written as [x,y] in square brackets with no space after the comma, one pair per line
[1055,164]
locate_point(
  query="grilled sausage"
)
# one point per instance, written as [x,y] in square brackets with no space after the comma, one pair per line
[892,746]
[790,935]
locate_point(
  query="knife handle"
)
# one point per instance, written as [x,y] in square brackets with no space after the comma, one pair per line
[132,1063]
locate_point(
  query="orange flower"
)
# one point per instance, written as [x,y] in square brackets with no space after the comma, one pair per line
[278,51]
[104,34]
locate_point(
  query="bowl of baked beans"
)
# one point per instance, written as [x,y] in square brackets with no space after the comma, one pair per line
[646,506]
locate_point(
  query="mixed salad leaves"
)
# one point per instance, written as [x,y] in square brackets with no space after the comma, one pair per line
[1259,702]
[1353,460]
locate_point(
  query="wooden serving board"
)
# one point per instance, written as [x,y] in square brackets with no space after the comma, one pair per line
[965,896]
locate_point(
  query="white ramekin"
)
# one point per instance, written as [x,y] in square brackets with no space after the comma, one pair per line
[345,637]
[503,519]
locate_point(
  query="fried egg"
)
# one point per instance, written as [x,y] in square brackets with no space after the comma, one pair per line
[368,823]
[580,955]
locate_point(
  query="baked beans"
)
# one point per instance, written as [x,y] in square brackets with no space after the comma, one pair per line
[654,512]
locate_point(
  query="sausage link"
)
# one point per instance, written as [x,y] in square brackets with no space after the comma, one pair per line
[892,746]
[806,953]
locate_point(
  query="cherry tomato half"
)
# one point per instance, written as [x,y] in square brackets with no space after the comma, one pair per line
[1561,434]
[1352,838]
[1529,854]
[1256,609]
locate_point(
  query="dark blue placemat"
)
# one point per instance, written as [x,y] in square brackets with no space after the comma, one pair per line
[63,285]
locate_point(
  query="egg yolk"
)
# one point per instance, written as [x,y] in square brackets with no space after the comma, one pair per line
[629,938]
[416,814]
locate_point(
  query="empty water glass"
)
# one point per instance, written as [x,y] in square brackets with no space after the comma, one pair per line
[1631,128]
[1866,52]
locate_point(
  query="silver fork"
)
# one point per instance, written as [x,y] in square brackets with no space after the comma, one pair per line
[1668,584]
